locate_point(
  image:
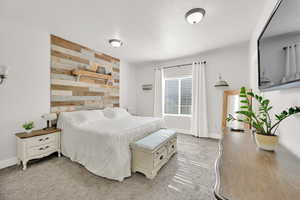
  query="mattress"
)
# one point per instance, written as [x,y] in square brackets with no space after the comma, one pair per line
[102,146]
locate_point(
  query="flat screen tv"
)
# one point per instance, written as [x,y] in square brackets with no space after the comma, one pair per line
[279,48]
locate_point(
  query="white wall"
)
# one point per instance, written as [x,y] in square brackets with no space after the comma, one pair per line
[26,93]
[289,130]
[232,62]
[128,86]
[144,99]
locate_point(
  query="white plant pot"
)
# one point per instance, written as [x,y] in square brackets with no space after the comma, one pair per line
[266,142]
[28,131]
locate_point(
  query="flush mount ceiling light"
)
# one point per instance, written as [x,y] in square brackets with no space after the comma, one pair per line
[115,42]
[195,15]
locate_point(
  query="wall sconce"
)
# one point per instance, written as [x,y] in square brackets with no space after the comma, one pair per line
[221,82]
[147,87]
[3,73]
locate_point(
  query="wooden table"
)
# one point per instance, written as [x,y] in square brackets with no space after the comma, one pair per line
[243,172]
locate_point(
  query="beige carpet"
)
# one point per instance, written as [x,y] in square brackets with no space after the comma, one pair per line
[188,175]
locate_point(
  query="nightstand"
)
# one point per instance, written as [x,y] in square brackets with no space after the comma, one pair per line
[37,144]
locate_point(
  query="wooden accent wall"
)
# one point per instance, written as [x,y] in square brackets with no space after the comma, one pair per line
[92,90]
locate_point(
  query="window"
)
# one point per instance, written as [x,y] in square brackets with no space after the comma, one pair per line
[178,96]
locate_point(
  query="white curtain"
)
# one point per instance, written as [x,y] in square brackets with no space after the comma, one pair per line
[287,65]
[297,62]
[292,70]
[158,93]
[199,125]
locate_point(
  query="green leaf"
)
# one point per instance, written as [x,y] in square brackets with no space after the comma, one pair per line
[270,108]
[244,101]
[266,102]
[246,113]
[250,94]
[243,90]
[291,111]
[284,112]
[230,118]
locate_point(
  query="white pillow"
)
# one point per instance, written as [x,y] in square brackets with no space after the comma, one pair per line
[121,112]
[93,115]
[80,117]
[115,113]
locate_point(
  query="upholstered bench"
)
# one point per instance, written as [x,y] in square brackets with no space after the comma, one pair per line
[153,151]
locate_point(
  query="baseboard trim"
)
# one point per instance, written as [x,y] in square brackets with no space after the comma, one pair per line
[8,162]
[215,135]
[188,132]
[184,131]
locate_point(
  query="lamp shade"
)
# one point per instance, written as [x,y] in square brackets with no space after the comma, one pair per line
[49,116]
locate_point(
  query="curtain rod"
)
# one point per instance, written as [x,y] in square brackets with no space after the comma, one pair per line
[182,65]
[289,46]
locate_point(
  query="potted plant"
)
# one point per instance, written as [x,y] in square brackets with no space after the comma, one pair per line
[266,136]
[28,126]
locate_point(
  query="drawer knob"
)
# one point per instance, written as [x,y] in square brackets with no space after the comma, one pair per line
[41,139]
[47,138]
[173,146]
[41,149]
[161,157]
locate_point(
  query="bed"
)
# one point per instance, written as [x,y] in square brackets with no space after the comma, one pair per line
[99,140]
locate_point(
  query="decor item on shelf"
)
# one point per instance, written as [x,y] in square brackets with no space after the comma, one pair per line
[147,87]
[28,126]
[101,70]
[3,73]
[110,82]
[221,82]
[265,129]
[195,15]
[49,117]
[92,67]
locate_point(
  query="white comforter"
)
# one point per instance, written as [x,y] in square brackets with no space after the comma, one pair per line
[103,146]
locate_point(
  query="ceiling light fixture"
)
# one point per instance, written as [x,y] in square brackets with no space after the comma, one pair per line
[115,42]
[195,15]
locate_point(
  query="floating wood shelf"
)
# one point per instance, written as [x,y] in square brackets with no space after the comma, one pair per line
[80,72]
[111,86]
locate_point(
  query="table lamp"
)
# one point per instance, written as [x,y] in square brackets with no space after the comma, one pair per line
[49,117]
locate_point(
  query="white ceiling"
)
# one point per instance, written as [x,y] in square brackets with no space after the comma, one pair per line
[152,30]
